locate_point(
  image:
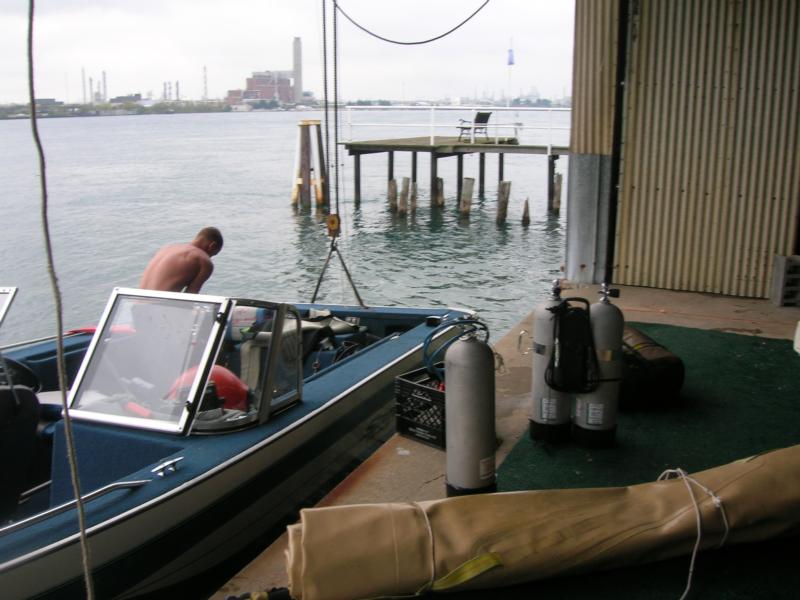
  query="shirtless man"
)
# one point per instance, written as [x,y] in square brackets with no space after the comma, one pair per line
[183,267]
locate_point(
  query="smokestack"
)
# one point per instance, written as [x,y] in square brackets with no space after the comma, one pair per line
[177,90]
[205,84]
[83,83]
[297,68]
[105,89]
[91,91]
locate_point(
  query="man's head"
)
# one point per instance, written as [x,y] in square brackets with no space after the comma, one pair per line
[210,240]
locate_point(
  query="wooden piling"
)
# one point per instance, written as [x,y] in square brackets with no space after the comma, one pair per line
[503,195]
[306,174]
[434,179]
[357,176]
[414,196]
[402,205]
[439,196]
[392,195]
[500,160]
[466,195]
[551,176]
[459,175]
[526,214]
[481,173]
[305,166]
[557,192]
[322,172]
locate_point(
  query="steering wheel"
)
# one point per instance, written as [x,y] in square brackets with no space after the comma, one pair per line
[19,374]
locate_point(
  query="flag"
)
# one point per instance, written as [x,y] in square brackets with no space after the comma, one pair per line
[510,56]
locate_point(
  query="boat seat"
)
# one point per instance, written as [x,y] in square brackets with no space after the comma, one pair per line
[19,415]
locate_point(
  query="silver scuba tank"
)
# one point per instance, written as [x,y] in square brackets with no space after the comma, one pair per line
[550,409]
[469,424]
[595,420]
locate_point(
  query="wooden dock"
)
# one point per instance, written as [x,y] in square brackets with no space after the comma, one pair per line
[447,146]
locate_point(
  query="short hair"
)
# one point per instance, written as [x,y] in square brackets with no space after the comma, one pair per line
[212,234]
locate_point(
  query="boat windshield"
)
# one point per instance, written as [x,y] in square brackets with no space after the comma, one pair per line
[149,359]
[6,296]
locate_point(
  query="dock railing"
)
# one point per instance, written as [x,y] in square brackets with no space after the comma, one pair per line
[550,125]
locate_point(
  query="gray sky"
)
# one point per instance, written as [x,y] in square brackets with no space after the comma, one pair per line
[142,43]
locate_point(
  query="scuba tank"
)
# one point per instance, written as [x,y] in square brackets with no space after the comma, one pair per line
[595,421]
[469,424]
[550,408]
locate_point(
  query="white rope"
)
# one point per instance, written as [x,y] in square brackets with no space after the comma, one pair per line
[688,481]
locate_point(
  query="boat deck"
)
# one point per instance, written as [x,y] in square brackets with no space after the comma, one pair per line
[734,377]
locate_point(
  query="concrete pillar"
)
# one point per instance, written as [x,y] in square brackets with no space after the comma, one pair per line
[587,217]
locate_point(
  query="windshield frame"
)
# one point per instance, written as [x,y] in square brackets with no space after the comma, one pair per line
[9,292]
[182,426]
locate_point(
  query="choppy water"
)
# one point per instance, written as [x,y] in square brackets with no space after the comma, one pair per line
[120,187]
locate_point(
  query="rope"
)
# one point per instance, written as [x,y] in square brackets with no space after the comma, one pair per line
[325,98]
[62,377]
[433,39]
[336,102]
[688,481]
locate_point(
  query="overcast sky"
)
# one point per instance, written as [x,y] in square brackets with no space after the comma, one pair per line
[142,43]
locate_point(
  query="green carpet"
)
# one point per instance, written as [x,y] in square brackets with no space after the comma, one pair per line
[741,396]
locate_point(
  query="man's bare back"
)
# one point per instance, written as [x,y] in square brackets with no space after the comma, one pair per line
[181,267]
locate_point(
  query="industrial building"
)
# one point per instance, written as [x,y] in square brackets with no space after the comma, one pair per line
[285,87]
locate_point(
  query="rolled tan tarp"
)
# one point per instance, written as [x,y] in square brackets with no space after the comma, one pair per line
[494,540]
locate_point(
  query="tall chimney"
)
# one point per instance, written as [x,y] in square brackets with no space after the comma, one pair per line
[297,68]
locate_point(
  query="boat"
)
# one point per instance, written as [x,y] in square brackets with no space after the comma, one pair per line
[201,424]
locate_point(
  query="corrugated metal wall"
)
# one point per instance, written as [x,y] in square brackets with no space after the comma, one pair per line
[710,178]
[595,65]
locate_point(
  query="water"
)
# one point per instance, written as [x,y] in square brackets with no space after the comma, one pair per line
[120,187]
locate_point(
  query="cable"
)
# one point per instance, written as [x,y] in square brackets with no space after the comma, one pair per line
[325,100]
[336,102]
[433,39]
[62,376]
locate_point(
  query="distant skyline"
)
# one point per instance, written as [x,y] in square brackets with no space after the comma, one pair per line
[140,45]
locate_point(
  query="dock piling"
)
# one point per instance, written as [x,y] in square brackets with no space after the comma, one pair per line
[306,174]
[500,160]
[503,195]
[357,176]
[526,214]
[434,179]
[467,188]
[402,205]
[557,192]
[392,195]
[551,187]
[439,195]
[481,173]
[459,175]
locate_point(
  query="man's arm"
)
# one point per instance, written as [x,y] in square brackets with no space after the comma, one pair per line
[203,273]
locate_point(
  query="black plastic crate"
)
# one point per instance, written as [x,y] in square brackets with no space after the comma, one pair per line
[419,407]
